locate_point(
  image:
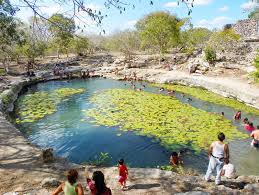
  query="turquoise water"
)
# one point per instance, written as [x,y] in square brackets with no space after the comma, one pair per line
[80,141]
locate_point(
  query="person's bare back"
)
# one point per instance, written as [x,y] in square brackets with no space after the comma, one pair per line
[255,134]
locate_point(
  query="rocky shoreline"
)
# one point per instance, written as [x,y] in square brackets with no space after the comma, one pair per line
[23,171]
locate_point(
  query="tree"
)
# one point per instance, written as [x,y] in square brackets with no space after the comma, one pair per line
[254,14]
[225,40]
[62,29]
[160,30]
[80,45]
[194,37]
[10,35]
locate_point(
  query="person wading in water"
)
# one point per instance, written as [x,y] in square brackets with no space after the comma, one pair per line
[218,153]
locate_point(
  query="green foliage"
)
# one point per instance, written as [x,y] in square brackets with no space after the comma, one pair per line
[225,40]
[30,49]
[160,30]
[80,45]
[256,73]
[207,96]
[2,72]
[164,118]
[101,159]
[62,29]
[254,14]
[195,37]
[33,107]
[210,55]
[124,41]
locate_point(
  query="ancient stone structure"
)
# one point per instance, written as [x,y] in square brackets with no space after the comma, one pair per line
[248,28]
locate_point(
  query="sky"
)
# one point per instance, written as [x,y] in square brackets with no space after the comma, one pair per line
[206,13]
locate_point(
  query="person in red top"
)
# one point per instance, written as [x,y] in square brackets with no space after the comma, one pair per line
[237,115]
[97,184]
[123,174]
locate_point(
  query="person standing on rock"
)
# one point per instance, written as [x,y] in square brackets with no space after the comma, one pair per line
[218,153]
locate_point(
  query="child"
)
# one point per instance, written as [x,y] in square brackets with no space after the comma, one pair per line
[97,184]
[123,174]
[237,115]
[175,159]
[228,170]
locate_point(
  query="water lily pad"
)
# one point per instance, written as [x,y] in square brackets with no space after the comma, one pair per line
[158,116]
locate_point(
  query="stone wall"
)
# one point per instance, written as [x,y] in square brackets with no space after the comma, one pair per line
[248,28]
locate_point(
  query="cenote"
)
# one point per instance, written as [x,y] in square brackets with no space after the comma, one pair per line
[79,119]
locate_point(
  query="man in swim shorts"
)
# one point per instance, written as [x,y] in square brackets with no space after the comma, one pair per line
[255,136]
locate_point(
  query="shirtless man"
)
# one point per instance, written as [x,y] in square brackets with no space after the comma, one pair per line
[255,136]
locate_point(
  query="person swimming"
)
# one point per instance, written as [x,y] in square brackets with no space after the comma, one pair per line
[175,159]
[161,89]
[222,113]
[245,121]
[249,127]
[237,115]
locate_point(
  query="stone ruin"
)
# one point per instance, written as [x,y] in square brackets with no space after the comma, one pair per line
[248,29]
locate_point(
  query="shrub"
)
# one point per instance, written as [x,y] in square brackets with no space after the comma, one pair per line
[210,55]
[256,73]
[101,159]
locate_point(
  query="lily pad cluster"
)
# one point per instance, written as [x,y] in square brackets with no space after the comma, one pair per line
[33,107]
[208,96]
[164,118]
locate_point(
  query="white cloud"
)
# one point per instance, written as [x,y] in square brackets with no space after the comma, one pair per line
[202,2]
[217,22]
[171,4]
[94,6]
[131,23]
[224,8]
[249,5]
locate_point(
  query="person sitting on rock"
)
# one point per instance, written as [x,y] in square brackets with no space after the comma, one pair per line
[97,184]
[218,153]
[228,170]
[237,115]
[255,136]
[70,187]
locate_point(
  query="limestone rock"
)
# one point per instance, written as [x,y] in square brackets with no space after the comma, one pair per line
[47,155]
[252,188]
[50,182]
[11,193]
[193,193]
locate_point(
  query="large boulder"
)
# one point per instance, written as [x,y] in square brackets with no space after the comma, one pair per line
[50,182]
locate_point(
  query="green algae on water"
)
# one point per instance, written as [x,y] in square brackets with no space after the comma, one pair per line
[208,96]
[33,107]
[163,118]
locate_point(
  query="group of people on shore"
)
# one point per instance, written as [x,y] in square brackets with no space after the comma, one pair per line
[96,185]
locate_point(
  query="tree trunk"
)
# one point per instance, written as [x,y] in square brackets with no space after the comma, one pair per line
[160,54]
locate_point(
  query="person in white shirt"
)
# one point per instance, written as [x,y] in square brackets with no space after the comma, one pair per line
[228,170]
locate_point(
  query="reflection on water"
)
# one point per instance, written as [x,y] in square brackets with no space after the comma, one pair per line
[67,132]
